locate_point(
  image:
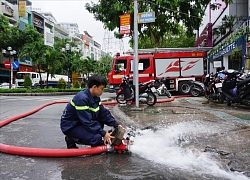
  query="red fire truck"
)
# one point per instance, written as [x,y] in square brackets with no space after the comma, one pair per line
[178,66]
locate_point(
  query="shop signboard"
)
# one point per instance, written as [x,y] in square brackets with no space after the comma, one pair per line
[125,24]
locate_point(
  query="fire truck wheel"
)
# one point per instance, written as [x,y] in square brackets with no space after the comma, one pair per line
[184,87]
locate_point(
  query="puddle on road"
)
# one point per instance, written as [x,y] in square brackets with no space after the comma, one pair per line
[165,146]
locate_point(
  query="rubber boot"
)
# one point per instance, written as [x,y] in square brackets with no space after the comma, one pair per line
[71,144]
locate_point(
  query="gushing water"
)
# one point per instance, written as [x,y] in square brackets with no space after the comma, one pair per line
[165,146]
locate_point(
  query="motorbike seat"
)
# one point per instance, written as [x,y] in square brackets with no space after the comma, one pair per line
[242,82]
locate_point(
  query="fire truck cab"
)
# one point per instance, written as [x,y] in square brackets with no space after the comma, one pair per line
[178,66]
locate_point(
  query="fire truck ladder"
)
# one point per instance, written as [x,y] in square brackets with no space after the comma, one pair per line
[164,50]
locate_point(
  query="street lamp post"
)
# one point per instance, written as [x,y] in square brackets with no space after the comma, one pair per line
[10,53]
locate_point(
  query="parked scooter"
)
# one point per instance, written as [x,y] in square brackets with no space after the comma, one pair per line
[234,89]
[126,93]
[161,89]
[213,86]
[197,88]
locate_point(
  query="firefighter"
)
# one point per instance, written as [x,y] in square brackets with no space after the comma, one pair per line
[84,117]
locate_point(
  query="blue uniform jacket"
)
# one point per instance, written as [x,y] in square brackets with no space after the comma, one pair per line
[87,110]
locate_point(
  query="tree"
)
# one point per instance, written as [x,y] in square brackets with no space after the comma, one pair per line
[5,31]
[27,82]
[36,51]
[90,66]
[169,40]
[15,37]
[168,14]
[104,65]
[52,62]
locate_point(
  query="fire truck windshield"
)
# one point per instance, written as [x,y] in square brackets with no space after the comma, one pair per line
[120,64]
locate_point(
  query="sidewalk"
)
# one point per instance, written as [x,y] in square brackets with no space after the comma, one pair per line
[229,136]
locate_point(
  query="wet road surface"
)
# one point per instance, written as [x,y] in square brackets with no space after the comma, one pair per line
[183,139]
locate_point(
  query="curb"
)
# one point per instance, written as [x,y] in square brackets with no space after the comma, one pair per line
[38,94]
[123,118]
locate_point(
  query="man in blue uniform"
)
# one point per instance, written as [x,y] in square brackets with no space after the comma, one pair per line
[84,116]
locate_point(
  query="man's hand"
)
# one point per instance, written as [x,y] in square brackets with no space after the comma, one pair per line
[122,128]
[107,138]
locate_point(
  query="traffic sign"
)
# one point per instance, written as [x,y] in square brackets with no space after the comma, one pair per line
[146,17]
[7,64]
[15,64]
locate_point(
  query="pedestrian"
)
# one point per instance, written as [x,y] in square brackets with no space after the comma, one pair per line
[84,117]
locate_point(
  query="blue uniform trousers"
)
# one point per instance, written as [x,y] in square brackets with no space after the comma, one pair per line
[85,136]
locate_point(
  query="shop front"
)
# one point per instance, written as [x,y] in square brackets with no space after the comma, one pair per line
[231,56]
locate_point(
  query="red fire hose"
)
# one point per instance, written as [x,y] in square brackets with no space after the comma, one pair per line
[42,152]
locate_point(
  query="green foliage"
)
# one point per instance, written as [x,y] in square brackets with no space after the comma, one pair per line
[104,66]
[5,31]
[83,84]
[76,85]
[236,54]
[229,40]
[169,40]
[61,84]
[27,82]
[168,15]
[45,91]
[85,66]
[36,51]
[52,62]
[15,37]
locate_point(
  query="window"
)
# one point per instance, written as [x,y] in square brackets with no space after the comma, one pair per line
[143,65]
[33,76]
[120,64]
[21,75]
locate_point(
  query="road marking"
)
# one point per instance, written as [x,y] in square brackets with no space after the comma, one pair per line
[225,116]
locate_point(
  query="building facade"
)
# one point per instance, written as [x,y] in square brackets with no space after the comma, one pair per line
[18,11]
[92,48]
[72,28]
[10,9]
[226,30]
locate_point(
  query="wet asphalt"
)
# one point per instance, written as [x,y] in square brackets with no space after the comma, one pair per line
[231,140]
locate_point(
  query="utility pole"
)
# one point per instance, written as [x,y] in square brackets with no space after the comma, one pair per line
[135,72]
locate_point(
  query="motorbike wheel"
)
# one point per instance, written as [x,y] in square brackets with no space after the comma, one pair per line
[221,98]
[151,99]
[120,99]
[195,91]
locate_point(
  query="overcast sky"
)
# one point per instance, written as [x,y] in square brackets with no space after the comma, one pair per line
[74,11]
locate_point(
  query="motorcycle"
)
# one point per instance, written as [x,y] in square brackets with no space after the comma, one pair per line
[235,89]
[161,89]
[126,93]
[197,88]
[213,86]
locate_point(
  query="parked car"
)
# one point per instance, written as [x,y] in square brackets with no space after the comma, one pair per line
[6,85]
